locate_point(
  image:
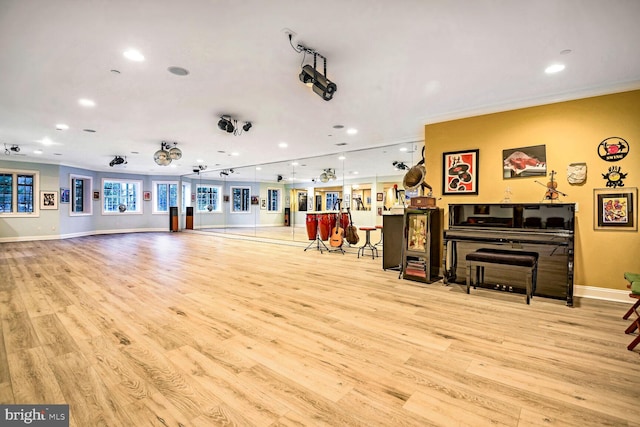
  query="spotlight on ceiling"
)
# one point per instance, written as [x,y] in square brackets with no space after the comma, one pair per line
[199,168]
[313,78]
[166,154]
[13,149]
[327,175]
[230,125]
[400,166]
[279,178]
[118,160]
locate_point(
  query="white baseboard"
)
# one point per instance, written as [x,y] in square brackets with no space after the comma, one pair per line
[80,234]
[607,294]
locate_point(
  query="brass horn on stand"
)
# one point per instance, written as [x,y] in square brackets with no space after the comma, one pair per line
[414,179]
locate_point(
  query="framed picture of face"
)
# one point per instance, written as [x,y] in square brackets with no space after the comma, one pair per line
[460,172]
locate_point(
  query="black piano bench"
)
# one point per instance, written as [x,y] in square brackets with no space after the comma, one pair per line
[520,260]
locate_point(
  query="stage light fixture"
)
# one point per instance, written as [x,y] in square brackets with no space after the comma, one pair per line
[310,76]
[118,160]
[230,125]
[166,154]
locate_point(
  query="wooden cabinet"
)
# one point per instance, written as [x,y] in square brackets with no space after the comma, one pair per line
[392,241]
[422,244]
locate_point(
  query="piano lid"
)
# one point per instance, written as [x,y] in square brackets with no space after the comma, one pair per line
[539,217]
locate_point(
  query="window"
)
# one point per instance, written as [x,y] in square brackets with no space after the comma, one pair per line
[208,198]
[165,195]
[332,200]
[240,199]
[186,196]
[81,195]
[121,196]
[18,191]
[273,200]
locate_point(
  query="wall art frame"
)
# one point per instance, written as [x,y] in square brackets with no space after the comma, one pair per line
[524,161]
[460,172]
[64,195]
[49,200]
[615,209]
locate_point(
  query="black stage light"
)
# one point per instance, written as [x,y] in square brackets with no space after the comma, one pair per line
[226,125]
[307,75]
[247,126]
[117,160]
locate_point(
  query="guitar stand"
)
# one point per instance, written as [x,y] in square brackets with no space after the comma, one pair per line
[338,249]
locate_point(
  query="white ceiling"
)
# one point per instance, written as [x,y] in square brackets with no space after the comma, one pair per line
[398,65]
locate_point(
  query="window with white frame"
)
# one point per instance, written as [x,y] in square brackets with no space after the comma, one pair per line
[165,195]
[186,196]
[18,190]
[331,199]
[121,196]
[273,199]
[81,187]
[208,198]
[240,199]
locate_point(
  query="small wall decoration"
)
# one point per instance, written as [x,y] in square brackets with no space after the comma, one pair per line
[255,200]
[614,177]
[379,197]
[577,173]
[615,210]
[64,195]
[225,198]
[96,195]
[48,200]
[524,161]
[613,149]
[263,203]
[146,195]
[460,170]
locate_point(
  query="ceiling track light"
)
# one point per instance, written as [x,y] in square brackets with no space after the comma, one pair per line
[12,149]
[166,154]
[230,125]
[327,175]
[226,172]
[400,165]
[118,160]
[319,82]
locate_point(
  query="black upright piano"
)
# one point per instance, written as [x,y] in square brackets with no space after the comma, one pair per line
[545,228]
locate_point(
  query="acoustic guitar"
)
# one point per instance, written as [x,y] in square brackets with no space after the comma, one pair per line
[337,234]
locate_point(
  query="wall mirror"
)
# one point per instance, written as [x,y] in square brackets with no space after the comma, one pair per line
[274,200]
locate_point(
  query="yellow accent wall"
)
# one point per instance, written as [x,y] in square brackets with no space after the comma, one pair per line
[571,132]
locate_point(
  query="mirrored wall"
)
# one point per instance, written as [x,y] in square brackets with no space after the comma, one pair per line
[276,200]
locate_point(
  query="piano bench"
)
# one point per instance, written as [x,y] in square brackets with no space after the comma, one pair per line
[519,260]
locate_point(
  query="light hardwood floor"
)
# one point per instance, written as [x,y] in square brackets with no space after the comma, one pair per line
[187,329]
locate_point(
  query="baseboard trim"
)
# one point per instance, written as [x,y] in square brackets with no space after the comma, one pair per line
[606,294]
[79,234]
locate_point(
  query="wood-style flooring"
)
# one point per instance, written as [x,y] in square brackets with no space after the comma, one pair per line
[188,329]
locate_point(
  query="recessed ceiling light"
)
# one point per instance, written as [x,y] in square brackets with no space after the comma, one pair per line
[341,158]
[294,164]
[178,71]
[352,131]
[283,145]
[258,168]
[133,55]
[355,172]
[37,151]
[555,68]
[46,141]
[235,153]
[86,102]
[62,126]
[404,149]
[173,165]
[200,161]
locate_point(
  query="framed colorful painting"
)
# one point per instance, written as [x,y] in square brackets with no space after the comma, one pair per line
[615,209]
[460,172]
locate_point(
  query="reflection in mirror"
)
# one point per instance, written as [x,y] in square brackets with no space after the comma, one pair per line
[273,201]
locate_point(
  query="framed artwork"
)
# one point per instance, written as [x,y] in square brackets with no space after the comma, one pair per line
[302,201]
[64,195]
[225,198]
[48,200]
[146,195]
[460,170]
[379,197]
[255,200]
[524,161]
[96,195]
[615,209]
[263,203]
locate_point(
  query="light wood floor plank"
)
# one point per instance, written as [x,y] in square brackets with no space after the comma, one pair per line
[189,329]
